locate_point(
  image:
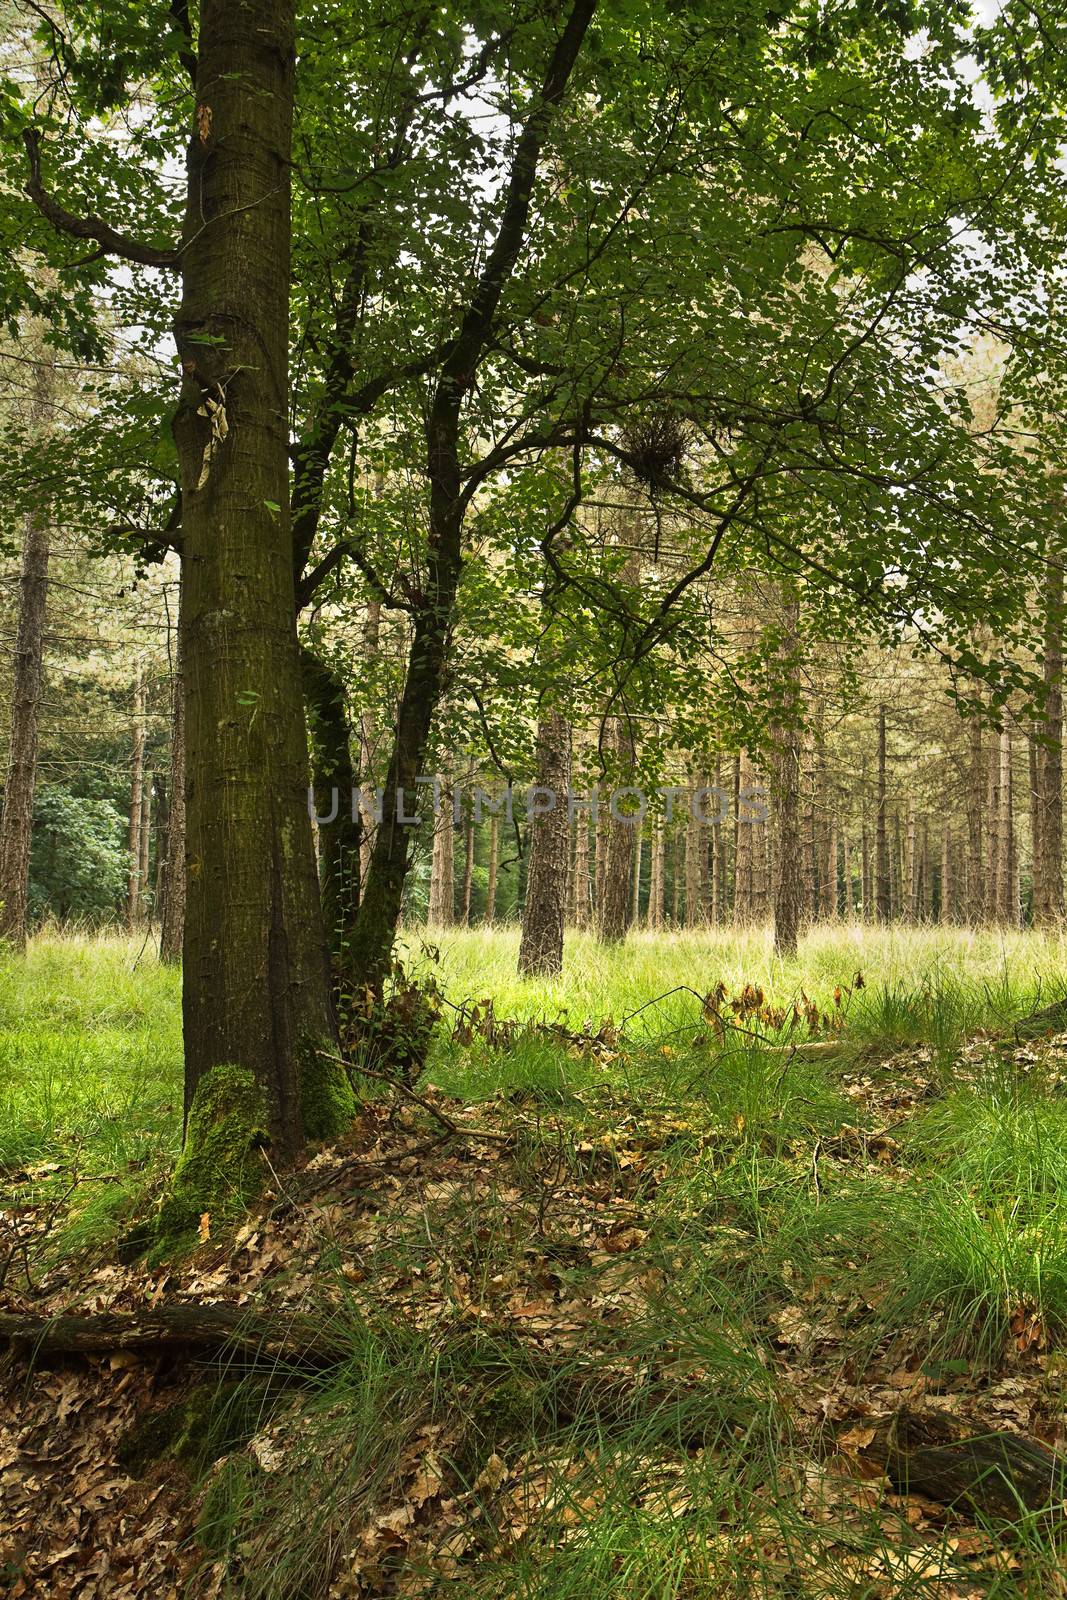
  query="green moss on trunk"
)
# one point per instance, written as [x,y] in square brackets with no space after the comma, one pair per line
[327,1101]
[219,1170]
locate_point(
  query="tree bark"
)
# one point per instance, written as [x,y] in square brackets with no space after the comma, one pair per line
[491,874]
[613,911]
[133,875]
[337,803]
[442,908]
[654,909]
[16,823]
[368,741]
[881,841]
[173,926]
[1048,809]
[548,867]
[975,786]
[1006,912]
[256,984]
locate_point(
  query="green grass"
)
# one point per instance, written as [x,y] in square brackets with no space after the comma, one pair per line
[662,1453]
[90,1078]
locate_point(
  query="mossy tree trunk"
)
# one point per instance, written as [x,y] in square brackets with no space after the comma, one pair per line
[173,925]
[16,824]
[256,986]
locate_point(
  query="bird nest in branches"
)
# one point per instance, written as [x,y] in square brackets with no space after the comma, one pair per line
[656,447]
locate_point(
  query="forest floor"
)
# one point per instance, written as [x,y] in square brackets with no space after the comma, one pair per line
[621,1310]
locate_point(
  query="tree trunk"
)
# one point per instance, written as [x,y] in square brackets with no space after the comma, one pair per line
[613,911]
[1006,911]
[368,742]
[491,873]
[1048,842]
[544,910]
[468,870]
[442,909]
[975,784]
[16,823]
[912,866]
[173,925]
[881,841]
[433,615]
[256,983]
[145,839]
[133,843]
[948,886]
[654,909]
[337,805]
[694,856]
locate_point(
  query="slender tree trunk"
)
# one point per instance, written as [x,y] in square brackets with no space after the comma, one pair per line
[912,866]
[881,841]
[635,882]
[676,879]
[1006,911]
[368,741]
[543,915]
[788,876]
[425,681]
[896,870]
[173,924]
[255,980]
[16,823]
[468,870]
[991,890]
[1048,845]
[975,785]
[613,911]
[694,851]
[491,872]
[145,838]
[133,878]
[337,806]
[948,886]
[654,909]
[442,911]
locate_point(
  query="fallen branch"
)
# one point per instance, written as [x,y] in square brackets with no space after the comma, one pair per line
[218,1330]
[941,1457]
[454,1129]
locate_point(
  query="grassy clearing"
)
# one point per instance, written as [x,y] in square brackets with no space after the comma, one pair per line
[633,1352]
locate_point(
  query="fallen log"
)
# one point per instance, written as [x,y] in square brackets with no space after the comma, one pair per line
[220,1331]
[943,1458]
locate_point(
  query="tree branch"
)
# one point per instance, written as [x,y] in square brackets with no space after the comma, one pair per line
[111,242]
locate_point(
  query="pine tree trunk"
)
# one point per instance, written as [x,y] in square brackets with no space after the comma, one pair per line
[442,910]
[491,872]
[1048,846]
[145,839]
[991,886]
[911,869]
[468,870]
[676,879]
[635,882]
[255,979]
[133,875]
[948,886]
[16,823]
[788,876]
[544,910]
[1006,911]
[694,850]
[881,842]
[613,909]
[975,785]
[654,909]
[173,924]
